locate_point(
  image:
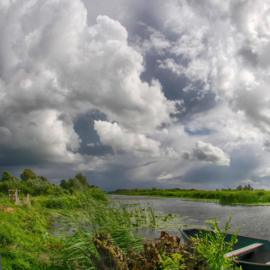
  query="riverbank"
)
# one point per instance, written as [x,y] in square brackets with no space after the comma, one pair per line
[230,197]
[31,239]
[93,231]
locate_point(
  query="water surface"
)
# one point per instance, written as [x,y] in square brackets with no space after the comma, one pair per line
[254,221]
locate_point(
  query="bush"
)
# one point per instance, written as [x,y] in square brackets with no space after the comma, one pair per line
[213,246]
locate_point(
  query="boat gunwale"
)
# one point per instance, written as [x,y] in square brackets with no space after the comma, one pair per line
[237,261]
[259,239]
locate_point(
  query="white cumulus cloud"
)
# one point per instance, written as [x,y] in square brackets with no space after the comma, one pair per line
[121,140]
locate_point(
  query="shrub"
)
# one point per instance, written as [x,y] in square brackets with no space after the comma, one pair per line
[213,246]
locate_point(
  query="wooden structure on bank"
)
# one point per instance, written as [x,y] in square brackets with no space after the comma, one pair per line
[14,195]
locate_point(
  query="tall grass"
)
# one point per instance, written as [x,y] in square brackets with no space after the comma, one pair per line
[93,217]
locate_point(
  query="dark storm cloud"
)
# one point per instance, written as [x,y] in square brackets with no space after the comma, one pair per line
[53,172]
[116,177]
[17,157]
[90,142]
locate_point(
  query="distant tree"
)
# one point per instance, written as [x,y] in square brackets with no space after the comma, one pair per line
[74,184]
[239,187]
[6,176]
[44,179]
[82,179]
[28,174]
[64,184]
[8,181]
[248,187]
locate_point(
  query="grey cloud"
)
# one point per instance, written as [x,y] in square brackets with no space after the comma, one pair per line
[66,69]
[207,152]
[243,163]
[249,56]
[63,68]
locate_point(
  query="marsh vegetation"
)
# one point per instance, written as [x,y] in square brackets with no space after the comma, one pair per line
[225,196]
[76,226]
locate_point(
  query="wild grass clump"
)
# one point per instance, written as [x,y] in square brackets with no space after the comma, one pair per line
[95,216]
[242,196]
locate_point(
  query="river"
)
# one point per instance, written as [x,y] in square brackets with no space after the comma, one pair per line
[254,221]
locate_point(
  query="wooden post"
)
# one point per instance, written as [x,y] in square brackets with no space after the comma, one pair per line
[16,197]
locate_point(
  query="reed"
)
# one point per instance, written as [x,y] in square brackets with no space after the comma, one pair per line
[95,216]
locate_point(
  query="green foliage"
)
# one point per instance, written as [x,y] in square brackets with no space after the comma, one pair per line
[78,183]
[213,246]
[43,179]
[8,181]
[63,184]
[175,262]
[24,238]
[39,185]
[28,174]
[97,194]
[243,195]
[91,217]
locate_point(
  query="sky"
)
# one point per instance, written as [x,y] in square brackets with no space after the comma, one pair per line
[137,94]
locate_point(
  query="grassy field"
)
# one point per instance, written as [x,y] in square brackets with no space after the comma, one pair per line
[223,197]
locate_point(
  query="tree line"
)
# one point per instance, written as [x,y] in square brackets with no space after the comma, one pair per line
[30,183]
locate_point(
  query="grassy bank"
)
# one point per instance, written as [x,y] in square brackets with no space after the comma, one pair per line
[26,241]
[223,197]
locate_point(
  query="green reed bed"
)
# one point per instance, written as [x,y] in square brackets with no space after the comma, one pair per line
[245,197]
[223,197]
[84,217]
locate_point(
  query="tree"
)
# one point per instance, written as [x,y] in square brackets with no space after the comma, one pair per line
[239,187]
[74,184]
[64,184]
[28,174]
[44,179]
[8,181]
[82,179]
[8,177]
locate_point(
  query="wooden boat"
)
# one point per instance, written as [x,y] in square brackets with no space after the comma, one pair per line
[252,253]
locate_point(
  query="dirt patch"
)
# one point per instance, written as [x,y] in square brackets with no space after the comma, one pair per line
[7,209]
